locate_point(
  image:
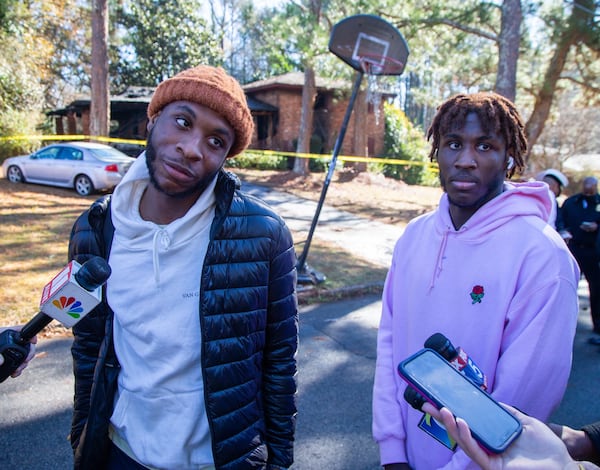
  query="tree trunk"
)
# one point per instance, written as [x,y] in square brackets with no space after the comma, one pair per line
[309,93]
[508,49]
[575,31]
[100,102]
[359,146]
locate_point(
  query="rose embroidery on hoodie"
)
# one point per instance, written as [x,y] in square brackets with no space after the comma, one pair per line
[477,294]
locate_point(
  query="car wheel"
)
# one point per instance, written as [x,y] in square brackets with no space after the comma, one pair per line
[14,174]
[83,185]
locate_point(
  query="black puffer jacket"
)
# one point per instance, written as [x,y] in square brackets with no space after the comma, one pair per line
[249,324]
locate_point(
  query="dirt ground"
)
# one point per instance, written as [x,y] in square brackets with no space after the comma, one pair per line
[374,196]
[36,222]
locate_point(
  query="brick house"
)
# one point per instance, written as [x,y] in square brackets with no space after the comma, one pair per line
[127,117]
[276,107]
[279,128]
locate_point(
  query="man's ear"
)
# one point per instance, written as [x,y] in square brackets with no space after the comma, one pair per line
[151,122]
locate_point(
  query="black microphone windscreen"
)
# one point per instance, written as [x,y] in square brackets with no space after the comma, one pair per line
[442,345]
[414,398]
[93,273]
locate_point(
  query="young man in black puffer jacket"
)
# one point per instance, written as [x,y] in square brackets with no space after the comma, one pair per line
[190,360]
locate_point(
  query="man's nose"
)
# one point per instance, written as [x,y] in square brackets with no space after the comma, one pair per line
[191,147]
[466,158]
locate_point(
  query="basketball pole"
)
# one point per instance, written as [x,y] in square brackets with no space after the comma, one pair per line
[306,275]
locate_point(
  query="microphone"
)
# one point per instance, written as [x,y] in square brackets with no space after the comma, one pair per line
[70,296]
[457,358]
[414,398]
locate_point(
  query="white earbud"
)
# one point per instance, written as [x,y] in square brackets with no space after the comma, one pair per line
[510,163]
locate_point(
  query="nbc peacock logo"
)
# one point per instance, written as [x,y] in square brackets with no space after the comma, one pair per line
[71,305]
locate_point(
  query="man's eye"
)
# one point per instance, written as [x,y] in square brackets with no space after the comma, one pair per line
[454,145]
[183,122]
[484,147]
[215,142]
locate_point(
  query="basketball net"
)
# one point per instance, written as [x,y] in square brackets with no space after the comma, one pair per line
[374,87]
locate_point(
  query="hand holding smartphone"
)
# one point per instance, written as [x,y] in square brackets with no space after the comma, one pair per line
[442,385]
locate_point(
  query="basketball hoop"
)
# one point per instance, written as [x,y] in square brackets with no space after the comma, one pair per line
[369,45]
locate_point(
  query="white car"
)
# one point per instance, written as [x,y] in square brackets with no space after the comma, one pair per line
[84,166]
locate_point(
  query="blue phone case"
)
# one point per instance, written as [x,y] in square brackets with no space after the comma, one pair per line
[442,385]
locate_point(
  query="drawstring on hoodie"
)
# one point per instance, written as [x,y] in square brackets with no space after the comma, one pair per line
[160,237]
[187,234]
[439,262]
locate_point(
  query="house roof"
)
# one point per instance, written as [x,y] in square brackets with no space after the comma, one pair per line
[133,97]
[139,96]
[293,80]
[135,94]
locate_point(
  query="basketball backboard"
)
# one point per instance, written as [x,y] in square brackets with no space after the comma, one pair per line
[370,45]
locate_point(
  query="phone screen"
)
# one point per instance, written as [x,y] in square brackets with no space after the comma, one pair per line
[492,425]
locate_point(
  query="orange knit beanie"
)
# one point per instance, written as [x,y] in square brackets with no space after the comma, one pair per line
[214,88]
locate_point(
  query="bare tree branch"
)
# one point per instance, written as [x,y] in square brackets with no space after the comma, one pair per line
[583,84]
[460,26]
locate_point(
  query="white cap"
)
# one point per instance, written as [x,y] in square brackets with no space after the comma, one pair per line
[557,175]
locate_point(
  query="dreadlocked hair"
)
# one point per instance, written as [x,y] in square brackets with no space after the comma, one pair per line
[496,114]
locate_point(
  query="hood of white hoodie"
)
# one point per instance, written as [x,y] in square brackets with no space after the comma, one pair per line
[138,234]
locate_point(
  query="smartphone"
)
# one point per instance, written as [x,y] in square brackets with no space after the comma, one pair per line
[442,385]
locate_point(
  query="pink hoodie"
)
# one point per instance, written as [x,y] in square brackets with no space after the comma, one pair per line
[519,331]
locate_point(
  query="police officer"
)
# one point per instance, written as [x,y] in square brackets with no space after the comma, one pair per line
[581,218]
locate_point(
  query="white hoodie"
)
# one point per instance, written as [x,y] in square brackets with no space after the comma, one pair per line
[159,414]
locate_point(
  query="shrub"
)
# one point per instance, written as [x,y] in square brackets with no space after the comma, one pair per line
[16,123]
[403,141]
[259,161]
[319,165]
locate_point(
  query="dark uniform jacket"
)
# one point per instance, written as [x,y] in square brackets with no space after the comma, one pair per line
[249,327]
[593,432]
[575,210]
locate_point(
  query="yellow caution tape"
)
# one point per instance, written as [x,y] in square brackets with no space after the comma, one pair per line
[267,153]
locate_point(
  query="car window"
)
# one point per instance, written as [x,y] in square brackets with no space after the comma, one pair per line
[75,154]
[49,153]
[107,154]
[68,153]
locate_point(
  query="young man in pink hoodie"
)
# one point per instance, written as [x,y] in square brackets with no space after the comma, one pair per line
[485,270]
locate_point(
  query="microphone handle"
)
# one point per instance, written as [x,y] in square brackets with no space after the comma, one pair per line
[34,326]
[14,345]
